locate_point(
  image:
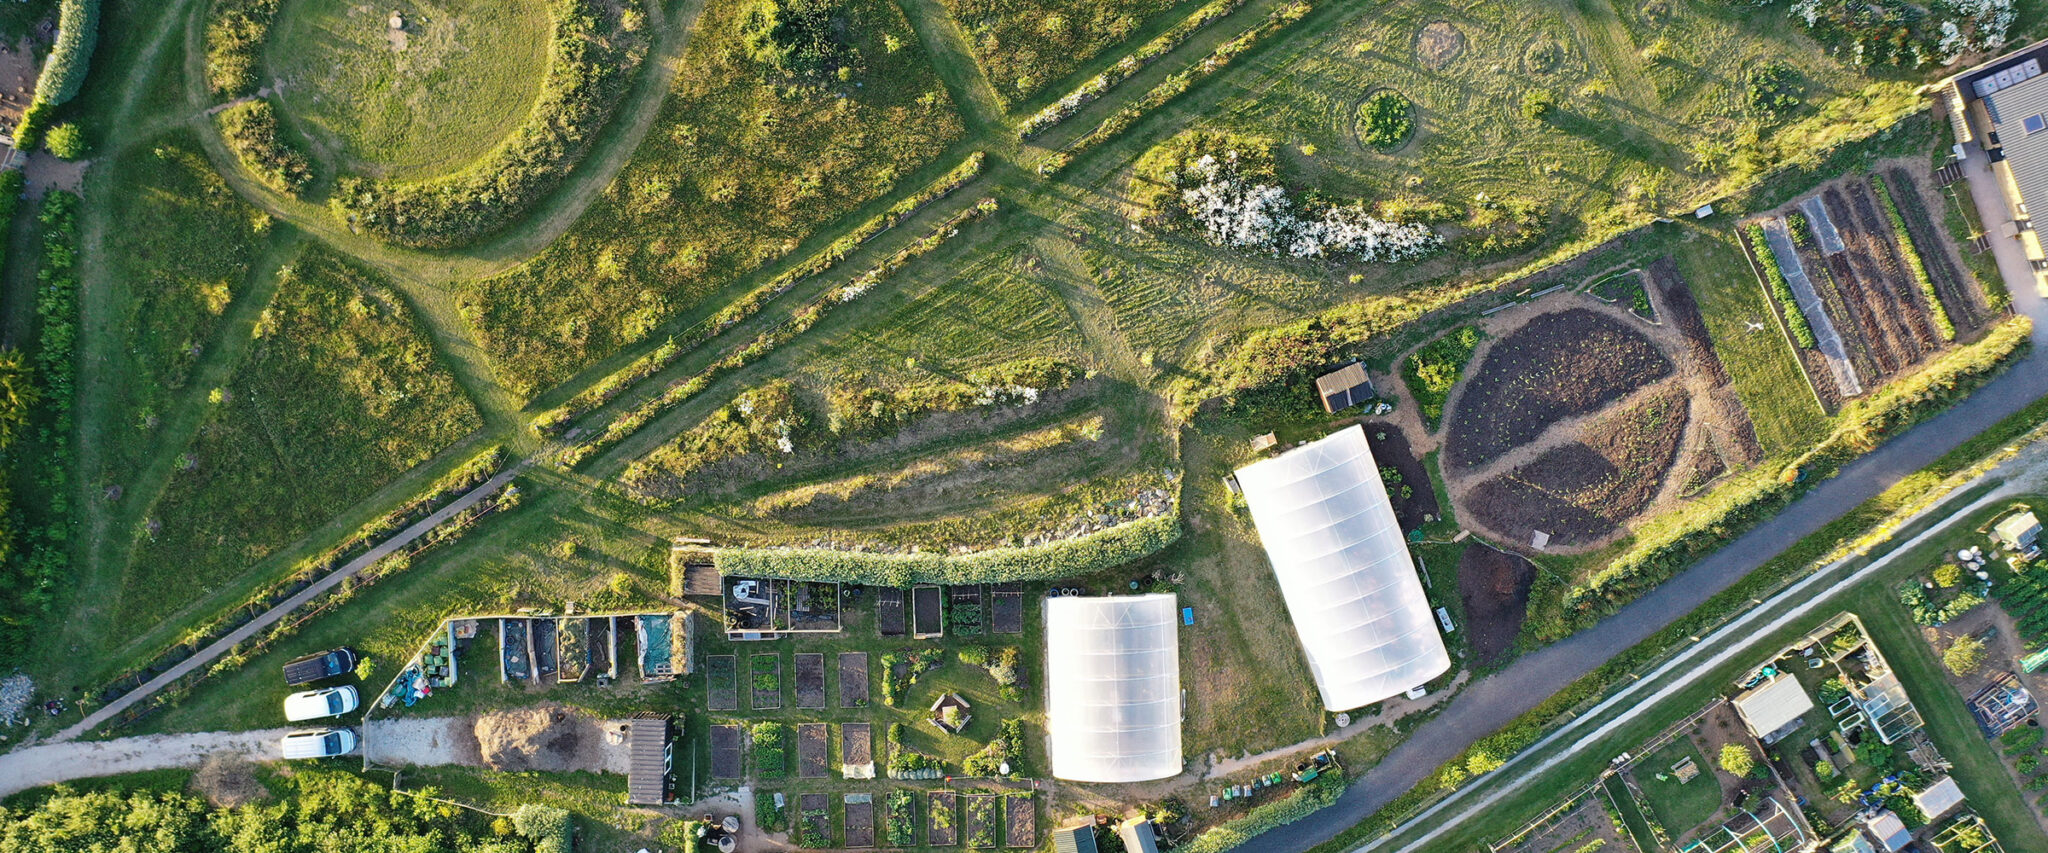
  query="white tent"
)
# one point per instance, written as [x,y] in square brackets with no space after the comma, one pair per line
[1344,570]
[1113,687]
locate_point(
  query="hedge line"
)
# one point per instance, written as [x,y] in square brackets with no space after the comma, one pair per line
[1801,330]
[1083,555]
[1303,802]
[1125,68]
[1864,424]
[1914,262]
[63,74]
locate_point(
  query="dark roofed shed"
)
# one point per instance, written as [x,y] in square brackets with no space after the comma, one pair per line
[651,757]
[1344,387]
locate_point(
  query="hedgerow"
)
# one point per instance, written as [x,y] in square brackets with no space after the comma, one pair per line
[1125,68]
[1083,555]
[588,66]
[1914,262]
[250,130]
[39,559]
[64,72]
[1780,290]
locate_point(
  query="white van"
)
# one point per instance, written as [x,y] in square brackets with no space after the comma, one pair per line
[314,704]
[319,743]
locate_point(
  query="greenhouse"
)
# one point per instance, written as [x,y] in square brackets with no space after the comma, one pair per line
[1113,687]
[1344,570]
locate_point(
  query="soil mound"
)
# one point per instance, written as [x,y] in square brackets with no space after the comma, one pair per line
[548,738]
[227,781]
[1438,44]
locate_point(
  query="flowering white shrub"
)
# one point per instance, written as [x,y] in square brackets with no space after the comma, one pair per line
[1241,214]
[1952,42]
[1021,395]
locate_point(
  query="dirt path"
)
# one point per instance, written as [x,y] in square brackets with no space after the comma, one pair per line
[36,766]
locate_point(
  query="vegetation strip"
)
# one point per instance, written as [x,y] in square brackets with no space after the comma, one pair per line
[1082,555]
[554,421]
[1914,262]
[39,393]
[802,321]
[1788,304]
[1125,68]
[1174,85]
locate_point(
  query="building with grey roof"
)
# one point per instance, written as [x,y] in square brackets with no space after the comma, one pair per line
[2002,106]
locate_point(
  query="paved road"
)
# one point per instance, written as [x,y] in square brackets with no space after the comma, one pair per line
[48,764]
[1493,702]
[221,646]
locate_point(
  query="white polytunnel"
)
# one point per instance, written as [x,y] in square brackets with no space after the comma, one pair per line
[1113,687]
[1344,570]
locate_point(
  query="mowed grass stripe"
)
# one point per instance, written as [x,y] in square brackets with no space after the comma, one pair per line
[1761,365]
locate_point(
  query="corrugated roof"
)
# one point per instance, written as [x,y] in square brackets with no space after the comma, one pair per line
[1074,839]
[1344,387]
[1773,705]
[647,765]
[2026,151]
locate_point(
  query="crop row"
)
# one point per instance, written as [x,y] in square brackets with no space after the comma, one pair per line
[1125,68]
[554,421]
[802,321]
[1801,330]
[1174,85]
[1914,262]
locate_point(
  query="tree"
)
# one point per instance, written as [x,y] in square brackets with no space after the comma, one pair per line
[1965,655]
[65,141]
[1947,575]
[1738,760]
[1537,103]
[796,38]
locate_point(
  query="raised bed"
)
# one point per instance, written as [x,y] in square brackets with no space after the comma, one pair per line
[544,656]
[942,820]
[726,752]
[513,651]
[964,613]
[902,818]
[813,750]
[764,677]
[722,682]
[927,616]
[1020,813]
[1007,616]
[813,811]
[602,648]
[853,679]
[889,618]
[810,681]
[981,820]
[860,820]
[856,751]
[574,652]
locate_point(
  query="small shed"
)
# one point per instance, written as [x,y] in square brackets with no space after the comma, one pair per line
[1772,709]
[1344,387]
[1888,830]
[2020,531]
[1139,836]
[1939,798]
[651,755]
[1263,443]
[1074,839]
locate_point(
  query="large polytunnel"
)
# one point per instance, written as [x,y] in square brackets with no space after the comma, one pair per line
[1344,570]
[1113,687]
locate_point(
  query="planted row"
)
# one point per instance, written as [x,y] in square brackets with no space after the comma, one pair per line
[1914,262]
[35,559]
[1125,68]
[1076,557]
[1802,332]
[554,421]
[1174,85]
[802,321]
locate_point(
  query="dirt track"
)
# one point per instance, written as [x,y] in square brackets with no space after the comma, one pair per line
[48,764]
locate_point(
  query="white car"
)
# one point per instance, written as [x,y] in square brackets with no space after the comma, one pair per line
[319,743]
[314,704]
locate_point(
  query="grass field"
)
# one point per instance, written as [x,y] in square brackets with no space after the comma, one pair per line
[1024,45]
[735,173]
[341,394]
[464,79]
[1760,364]
[1679,806]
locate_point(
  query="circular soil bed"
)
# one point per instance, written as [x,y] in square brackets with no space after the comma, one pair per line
[1438,44]
[1581,492]
[1556,366]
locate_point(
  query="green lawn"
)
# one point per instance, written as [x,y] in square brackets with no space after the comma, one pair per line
[341,394]
[1631,816]
[1024,45]
[1679,806]
[1761,365]
[464,80]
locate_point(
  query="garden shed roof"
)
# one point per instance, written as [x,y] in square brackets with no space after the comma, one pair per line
[1939,798]
[1344,387]
[1344,570]
[1773,705]
[649,758]
[1113,687]
[2018,529]
[1074,839]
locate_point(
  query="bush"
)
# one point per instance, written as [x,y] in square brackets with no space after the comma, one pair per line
[64,71]
[34,121]
[66,141]
[548,827]
[250,129]
[797,39]
[1537,103]
[1385,119]
[1304,801]
[1075,557]
[1964,656]
[235,33]
[1433,370]
[1947,575]
[1737,759]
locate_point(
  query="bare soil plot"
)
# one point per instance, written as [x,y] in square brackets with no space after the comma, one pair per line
[1558,365]
[856,744]
[601,646]
[889,612]
[813,750]
[1583,491]
[1587,824]
[860,820]
[810,681]
[1413,496]
[722,683]
[853,679]
[964,613]
[764,675]
[726,752]
[814,811]
[928,618]
[1960,292]
[1007,613]
[942,820]
[1494,586]
[1020,813]
[981,819]
[1437,44]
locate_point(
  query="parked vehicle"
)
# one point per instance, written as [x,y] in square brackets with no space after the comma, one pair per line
[314,667]
[319,743]
[314,704]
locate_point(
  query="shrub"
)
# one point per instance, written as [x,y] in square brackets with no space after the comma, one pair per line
[2020,739]
[250,130]
[1304,801]
[1947,575]
[1824,769]
[1737,759]
[1964,656]
[34,121]
[797,39]
[64,71]
[235,33]
[1385,119]
[66,141]
[548,827]
[1433,370]
[1537,103]
[1075,557]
